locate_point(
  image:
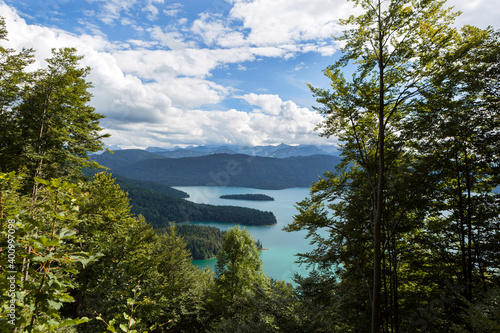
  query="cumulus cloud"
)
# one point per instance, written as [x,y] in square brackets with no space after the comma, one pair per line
[217,30]
[155,91]
[152,98]
[299,26]
[270,104]
[285,22]
[280,119]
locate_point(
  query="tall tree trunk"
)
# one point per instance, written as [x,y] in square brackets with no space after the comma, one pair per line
[461,221]
[468,183]
[377,224]
[38,170]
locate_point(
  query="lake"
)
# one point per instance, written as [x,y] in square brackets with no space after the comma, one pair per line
[279,258]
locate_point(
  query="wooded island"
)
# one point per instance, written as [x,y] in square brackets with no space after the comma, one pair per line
[254,197]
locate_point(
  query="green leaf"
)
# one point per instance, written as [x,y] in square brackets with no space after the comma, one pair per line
[73,322]
[47,242]
[66,233]
[55,305]
[124,327]
[71,270]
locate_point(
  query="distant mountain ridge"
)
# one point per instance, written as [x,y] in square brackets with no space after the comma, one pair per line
[236,170]
[280,151]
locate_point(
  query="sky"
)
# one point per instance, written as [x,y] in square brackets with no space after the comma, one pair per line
[200,72]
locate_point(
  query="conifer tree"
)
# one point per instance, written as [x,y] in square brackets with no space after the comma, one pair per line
[53,127]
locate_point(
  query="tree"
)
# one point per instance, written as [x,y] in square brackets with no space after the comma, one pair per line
[175,289]
[37,254]
[397,47]
[123,244]
[238,270]
[458,127]
[171,295]
[53,126]
[13,78]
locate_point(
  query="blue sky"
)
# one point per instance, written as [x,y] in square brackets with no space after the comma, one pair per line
[170,73]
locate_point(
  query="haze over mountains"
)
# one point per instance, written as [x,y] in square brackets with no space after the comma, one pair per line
[221,169]
[279,151]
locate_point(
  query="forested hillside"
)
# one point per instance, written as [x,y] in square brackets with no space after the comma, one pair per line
[128,184]
[161,209]
[203,242]
[219,169]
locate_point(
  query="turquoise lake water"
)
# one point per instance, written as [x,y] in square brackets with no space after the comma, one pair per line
[279,259]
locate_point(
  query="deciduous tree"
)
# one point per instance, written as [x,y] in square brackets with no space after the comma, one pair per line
[397,47]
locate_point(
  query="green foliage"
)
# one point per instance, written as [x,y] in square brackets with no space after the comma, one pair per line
[174,292]
[171,288]
[404,210]
[12,80]
[108,228]
[238,273]
[203,242]
[51,129]
[40,235]
[271,308]
[130,321]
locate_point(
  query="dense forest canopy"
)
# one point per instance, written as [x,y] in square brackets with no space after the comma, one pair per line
[203,242]
[412,237]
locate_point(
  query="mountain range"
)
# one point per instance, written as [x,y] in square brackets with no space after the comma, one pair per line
[279,151]
[236,170]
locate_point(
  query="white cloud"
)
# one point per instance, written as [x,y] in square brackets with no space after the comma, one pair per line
[189,93]
[111,10]
[270,104]
[480,13]
[154,97]
[152,9]
[283,21]
[173,9]
[217,30]
[150,97]
[171,39]
[160,65]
